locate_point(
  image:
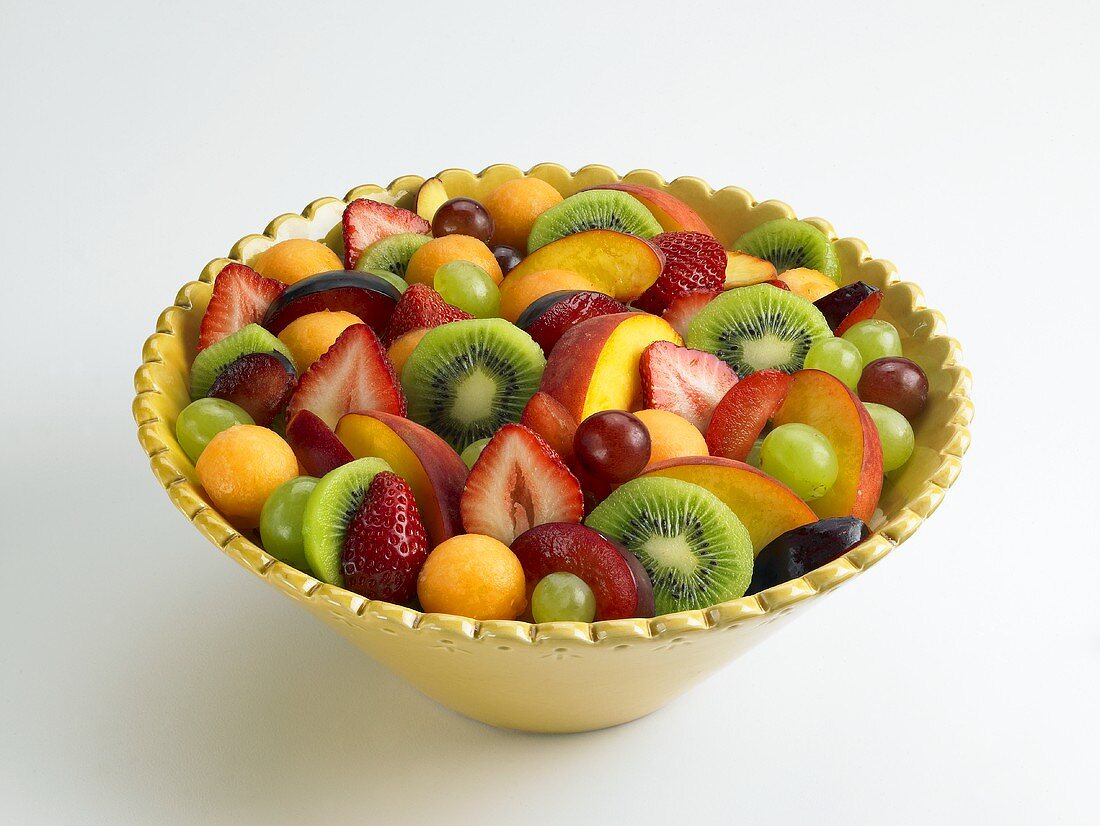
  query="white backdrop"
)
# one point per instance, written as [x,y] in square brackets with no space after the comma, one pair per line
[145,678]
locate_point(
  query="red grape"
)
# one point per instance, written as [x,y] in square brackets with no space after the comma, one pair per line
[507,257]
[612,445]
[895,382]
[463,216]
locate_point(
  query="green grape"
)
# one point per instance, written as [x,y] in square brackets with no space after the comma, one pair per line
[754,453]
[472,451]
[801,458]
[204,419]
[281,521]
[468,287]
[895,433]
[875,339]
[563,597]
[393,278]
[837,357]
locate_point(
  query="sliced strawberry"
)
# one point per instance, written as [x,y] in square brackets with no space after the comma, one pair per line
[354,376]
[316,446]
[687,382]
[548,417]
[420,308]
[385,545]
[693,261]
[683,309]
[367,221]
[260,383]
[518,482]
[241,297]
[741,416]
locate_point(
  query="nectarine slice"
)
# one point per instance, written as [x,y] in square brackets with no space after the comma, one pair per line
[743,269]
[519,290]
[810,284]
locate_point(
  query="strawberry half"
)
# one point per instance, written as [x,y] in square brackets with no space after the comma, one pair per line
[354,376]
[683,309]
[241,297]
[518,482]
[385,545]
[693,261]
[259,383]
[367,221]
[548,417]
[684,381]
[316,446]
[420,308]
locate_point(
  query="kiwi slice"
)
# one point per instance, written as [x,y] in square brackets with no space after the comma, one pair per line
[328,512]
[790,244]
[594,209]
[467,378]
[392,253]
[695,549]
[215,358]
[758,328]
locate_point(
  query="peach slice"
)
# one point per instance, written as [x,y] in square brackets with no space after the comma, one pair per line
[518,291]
[767,507]
[810,284]
[594,366]
[433,470]
[430,197]
[671,213]
[743,269]
[822,401]
[624,266]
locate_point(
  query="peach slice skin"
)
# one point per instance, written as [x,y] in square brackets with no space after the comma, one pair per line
[624,266]
[671,213]
[433,470]
[743,269]
[824,402]
[766,506]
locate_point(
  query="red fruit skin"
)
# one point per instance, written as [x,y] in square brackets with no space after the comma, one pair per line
[559,317]
[849,305]
[612,446]
[354,376]
[687,382]
[421,308]
[781,285]
[241,297]
[386,545]
[316,446]
[693,261]
[358,293]
[260,383]
[896,382]
[740,417]
[619,583]
[518,482]
[683,309]
[367,221]
[548,417]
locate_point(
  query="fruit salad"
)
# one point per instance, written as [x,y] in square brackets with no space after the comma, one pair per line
[549,408]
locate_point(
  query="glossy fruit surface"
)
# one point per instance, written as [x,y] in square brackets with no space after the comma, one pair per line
[468,287]
[875,339]
[241,467]
[507,257]
[366,222]
[515,205]
[369,297]
[895,382]
[463,216]
[804,549]
[310,336]
[801,458]
[292,260]
[241,296]
[439,251]
[849,305]
[563,597]
[837,357]
[694,261]
[612,445]
[260,383]
[548,318]
[421,308]
[895,433]
[687,382]
[281,521]
[316,446]
[671,436]
[473,576]
[204,419]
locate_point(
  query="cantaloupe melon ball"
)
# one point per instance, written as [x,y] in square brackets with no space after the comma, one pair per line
[294,259]
[515,205]
[439,251]
[309,337]
[672,436]
[241,467]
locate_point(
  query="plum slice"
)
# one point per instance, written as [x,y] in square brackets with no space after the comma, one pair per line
[743,413]
[547,318]
[618,581]
[804,549]
[845,306]
[315,445]
[261,383]
[368,296]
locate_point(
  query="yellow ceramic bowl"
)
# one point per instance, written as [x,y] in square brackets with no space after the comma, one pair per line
[563,676]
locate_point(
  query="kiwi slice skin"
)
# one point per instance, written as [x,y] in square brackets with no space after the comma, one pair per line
[789,244]
[695,549]
[214,359]
[328,512]
[467,378]
[392,253]
[593,209]
[758,328]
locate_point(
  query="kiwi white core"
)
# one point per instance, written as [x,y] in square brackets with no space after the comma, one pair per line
[671,552]
[766,351]
[474,396]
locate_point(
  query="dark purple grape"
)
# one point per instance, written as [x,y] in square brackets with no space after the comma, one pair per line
[801,550]
[463,216]
[612,445]
[507,257]
[895,382]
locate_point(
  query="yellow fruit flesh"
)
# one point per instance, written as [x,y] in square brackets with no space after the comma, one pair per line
[615,382]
